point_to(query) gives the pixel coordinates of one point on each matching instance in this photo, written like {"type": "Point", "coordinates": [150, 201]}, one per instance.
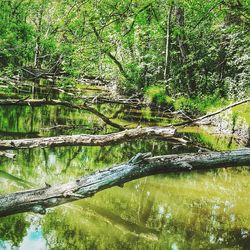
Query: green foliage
{"type": "Point", "coordinates": [126, 43]}
{"type": "Point", "coordinates": [13, 229]}
{"type": "Point", "coordinates": [199, 105]}
{"type": "Point", "coordinates": [67, 82]}
{"type": "Point", "coordinates": [156, 94]}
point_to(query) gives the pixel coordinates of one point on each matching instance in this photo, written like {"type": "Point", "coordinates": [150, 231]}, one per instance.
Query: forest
{"type": "Point", "coordinates": [124, 124]}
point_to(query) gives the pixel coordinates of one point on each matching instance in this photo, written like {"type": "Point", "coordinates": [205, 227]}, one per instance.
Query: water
{"type": "Point", "coordinates": [197, 210]}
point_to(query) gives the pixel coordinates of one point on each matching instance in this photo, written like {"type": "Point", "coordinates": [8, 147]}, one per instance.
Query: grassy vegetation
{"type": "Point", "coordinates": [243, 111]}
{"type": "Point", "coordinates": [155, 94]}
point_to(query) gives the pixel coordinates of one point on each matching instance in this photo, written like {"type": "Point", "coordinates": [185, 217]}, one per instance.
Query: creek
{"type": "Point", "coordinates": [197, 210]}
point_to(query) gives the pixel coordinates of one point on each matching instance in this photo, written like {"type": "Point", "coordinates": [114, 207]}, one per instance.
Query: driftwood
{"type": "Point", "coordinates": [38, 200]}
{"type": "Point", "coordinates": [41, 102]}
{"type": "Point", "coordinates": [168, 133]}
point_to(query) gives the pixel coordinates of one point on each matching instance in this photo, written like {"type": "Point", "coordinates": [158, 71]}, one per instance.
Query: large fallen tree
{"type": "Point", "coordinates": [167, 133]}
{"type": "Point", "coordinates": [38, 200]}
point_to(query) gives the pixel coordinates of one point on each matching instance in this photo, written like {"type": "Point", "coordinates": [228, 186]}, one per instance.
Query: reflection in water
{"type": "Point", "coordinates": [205, 210]}
{"type": "Point", "coordinates": [33, 240]}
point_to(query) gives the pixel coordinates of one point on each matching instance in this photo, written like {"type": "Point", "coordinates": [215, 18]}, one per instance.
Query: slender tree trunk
{"type": "Point", "coordinates": [37, 57]}
{"type": "Point", "coordinates": [184, 51]}
{"type": "Point", "coordinates": [145, 56]}
{"type": "Point", "coordinates": [167, 50]}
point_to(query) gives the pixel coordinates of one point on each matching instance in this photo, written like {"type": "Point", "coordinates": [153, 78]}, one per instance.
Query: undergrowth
{"type": "Point", "coordinates": [155, 94]}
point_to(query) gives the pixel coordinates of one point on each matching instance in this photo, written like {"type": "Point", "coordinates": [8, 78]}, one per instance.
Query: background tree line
{"type": "Point", "coordinates": [187, 47]}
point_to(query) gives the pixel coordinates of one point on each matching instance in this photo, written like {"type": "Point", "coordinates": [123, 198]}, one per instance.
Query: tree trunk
{"type": "Point", "coordinates": [167, 133]}
{"type": "Point", "coordinates": [141, 165]}
{"type": "Point", "coordinates": [167, 50]}
{"type": "Point", "coordinates": [109, 54]}
{"type": "Point", "coordinates": [145, 50]}
{"type": "Point", "coordinates": [184, 51]}
{"type": "Point", "coordinates": [37, 56]}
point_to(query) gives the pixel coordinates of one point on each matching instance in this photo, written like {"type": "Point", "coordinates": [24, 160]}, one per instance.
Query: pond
{"type": "Point", "coordinates": [197, 210]}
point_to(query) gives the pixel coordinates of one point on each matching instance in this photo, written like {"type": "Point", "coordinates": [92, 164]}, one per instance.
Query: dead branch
{"type": "Point", "coordinates": [199, 119]}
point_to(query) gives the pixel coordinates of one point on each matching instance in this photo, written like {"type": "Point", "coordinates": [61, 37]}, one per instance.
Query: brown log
{"type": "Point", "coordinates": [38, 200]}
{"type": "Point", "coordinates": [168, 133]}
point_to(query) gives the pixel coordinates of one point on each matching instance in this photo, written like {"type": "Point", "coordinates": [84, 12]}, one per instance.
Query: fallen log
{"type": "Point", "coordinates": [168, 133]}
{"type": "Point", "coordinates": [38, 200]}
{"type": "Point", "coordinates": [34, 73]}
{"type": "Point", "coordinates": [41, 102]}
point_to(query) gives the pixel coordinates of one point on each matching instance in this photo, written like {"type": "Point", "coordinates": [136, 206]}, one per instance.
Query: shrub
{"type": "Point", "coordinates": [199, 105]}
{"type": "Point", "coordinates": [156, 94]}
{"type": "Point", "coordinates": [66, 82]}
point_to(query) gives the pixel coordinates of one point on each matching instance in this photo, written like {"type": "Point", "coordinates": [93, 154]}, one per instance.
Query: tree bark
{"type": "Point", "coordinates": [41, 102]}
{"type": "Point", "coordinates": [184, 50]}
{"type": "Point", "coordinates": [168, 133]}
{"type": "Point", "coordinates": [37, 54]}
{"type": "Point", "coordinates": [167, 49]}
{"type": "Point", "coordinates": [38, 200]}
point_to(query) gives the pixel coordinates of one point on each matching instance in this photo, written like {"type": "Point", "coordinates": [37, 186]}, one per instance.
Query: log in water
{"type": "Point", "coordinates": [141, 165]}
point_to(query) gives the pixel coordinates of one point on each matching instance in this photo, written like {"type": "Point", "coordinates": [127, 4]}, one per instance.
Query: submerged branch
{"type": "Point", "coordinates": [38, 200]}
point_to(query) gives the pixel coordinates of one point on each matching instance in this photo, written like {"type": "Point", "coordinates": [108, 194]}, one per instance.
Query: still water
{"type": "Point", "coordinates": [197, 210]}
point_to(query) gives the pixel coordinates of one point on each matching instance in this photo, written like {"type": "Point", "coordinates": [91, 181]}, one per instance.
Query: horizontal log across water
{"type": "Point", "coordinates": [38, 200]}
{"type": "Point", "coordinates": [167, 133]}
